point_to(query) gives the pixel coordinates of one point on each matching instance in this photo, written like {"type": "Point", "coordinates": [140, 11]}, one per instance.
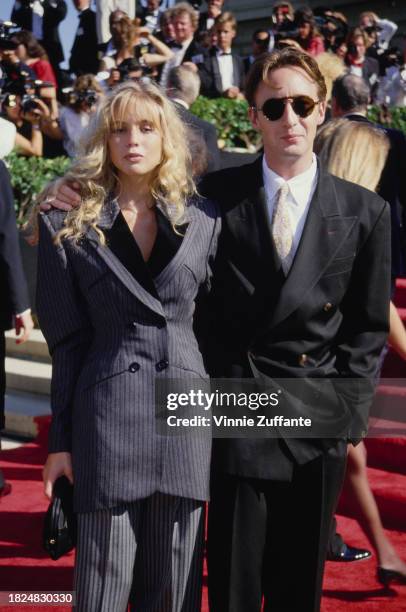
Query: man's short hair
{"type": "Point", "coordinates": [224, 18]}
{"type": "Point", "coordinates": [283, 58]}
{"type": "Point", "coordinates": [351, 93]}
{"type": "Point", "coordinates": [183, 8]}
{"type": "Point", "coordinates": [183, 83]}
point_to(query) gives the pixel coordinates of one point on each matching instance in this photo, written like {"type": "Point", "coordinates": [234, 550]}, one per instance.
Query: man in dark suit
{"type": "Point", "coordinates": [14, 303]}
{"type": "Point", "coordinates": [183, 89]}
{"type": "Point", "coordinates": [222, 72]}
{"type": "Point", "coordinates": [350, 99]}
{"type": "Point", "coordinates": [261, 43]}
{"type": "Point", "coordinates": [43, 19]}
{"type": "Point", "coordinates": [83, 56]}
{"type": "Point", "coordinates": [300, 295]}
{"type": "Point", "coordinates": [207, 18]}
{"type": "Point", "coordinates": [186, 49]}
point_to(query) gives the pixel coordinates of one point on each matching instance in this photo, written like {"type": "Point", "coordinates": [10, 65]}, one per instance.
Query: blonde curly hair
{"type": "Point", "coordinates": [171, 181]}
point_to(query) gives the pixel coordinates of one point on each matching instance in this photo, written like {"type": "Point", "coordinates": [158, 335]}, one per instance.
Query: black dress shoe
{"type": "Point", "coordinates": [386, 576]}
{"type": "Point", "coordinates": [349, 553]}
{"type": "Point", "coordinates": [5, 489]}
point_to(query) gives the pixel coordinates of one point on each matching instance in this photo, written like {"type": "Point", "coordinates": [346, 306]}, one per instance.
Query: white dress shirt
{"type": "Point", "coordinates": [301, 190]}
{"type": "Point", "coordinates": [174, 62]}
{"type": "Point", "coordinates": [37, 19]}
{"type": "Point", "coordinates": [225, 61]}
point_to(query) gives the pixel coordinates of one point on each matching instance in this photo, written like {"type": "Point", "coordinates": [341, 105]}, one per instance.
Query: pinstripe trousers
{"type": "Point", "coordinates": [149, 552]}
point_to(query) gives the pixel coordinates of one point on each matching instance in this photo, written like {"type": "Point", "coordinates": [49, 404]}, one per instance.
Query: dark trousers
{"type": "Point", "coordinates": [2, 376]}
{"type": "Point", "coordinates": [269, 539]}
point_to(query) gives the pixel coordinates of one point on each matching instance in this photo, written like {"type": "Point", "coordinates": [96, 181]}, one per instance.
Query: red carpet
{"type": "Point", "coordinates": [347, 587]}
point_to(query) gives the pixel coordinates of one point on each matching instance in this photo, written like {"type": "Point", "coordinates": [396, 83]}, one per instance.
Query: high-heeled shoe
{"type": "Point", "coordinates": [386, 576]}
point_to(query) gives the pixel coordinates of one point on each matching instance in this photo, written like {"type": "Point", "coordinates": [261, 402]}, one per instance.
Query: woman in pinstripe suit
{"type": "Point", "coordinates": [117, 280]}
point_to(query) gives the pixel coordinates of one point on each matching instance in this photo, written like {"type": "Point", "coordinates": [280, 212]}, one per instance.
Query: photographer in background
{"type": "Point", "coordinates": [379, 31]}
{"type": "Point", "coordinates": [308, 36]}
{"type": "Point", "coordinates": [25, 110]}
{"type": "Point", "coordinates": [392, 85]}
{"type": "Point", "coordinates": [74, 118]}
{"type": "Point", "coordinates": [133, 41]}
{"type": "Point", "coordinates": [42, 18]}
{"type": "Point", "coordinates": [359, 62]}
{"type": "Point", "coordinates": [30, 52]}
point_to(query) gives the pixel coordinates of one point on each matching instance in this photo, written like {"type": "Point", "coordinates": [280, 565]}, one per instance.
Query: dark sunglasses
{"type": "Point", "coordinates": [273, 108]}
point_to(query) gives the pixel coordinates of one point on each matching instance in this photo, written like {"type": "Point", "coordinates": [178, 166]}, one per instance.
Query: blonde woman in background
{"type": "Point", "coordinates": [357, 152]}
{"type": "Point", "coordinates": [117, 282]}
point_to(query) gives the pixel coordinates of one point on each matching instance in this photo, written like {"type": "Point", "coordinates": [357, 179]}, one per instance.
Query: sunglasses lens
{"type": "Point", "coordinates": [273, 108]}
{"type": "Point", "coordinates": [303, 106]}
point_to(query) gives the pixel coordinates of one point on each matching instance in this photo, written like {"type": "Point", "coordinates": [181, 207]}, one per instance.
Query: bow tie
{"type": "Point", "coordinates": [225, 52]}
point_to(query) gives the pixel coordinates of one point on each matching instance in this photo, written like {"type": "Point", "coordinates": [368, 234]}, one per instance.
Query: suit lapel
{"type": "Point", "coordinates": [236, 71]}
{"type": "Point", "coordinates": [248, 222]}
{"type": "Point", "coordinates": [324, 233]}
{"type": "Point", "coordinates": [109, 213]}
{"type": "Point", "coordinates": [218, 83]}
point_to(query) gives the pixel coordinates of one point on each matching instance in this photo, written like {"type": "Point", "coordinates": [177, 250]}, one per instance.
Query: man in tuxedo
{"type": "Point", "coordinates": [300, 294]}
{"type": "Point", "coordinates": [186, 49]}
{"type": "Point", "coordinates": [42, 18]}
{"type": "Point", "coordinates": [207, 18]}
{"type": "Point", "coordinates": [222, 72]}
{"type": "Point", "coordinates": [83, 55]}
{"type": "Point", "coordinates": [350, 99]}
{"type": "Point", "coordinates": [183, 89]}
{"type": "Point", "coordinates": [14, 303]}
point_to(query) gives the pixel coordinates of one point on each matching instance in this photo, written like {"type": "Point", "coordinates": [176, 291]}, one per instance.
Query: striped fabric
{"type": "Point", "coordinates": [110, 340]}
{"type": "Point", "coordinates": [150, 551]}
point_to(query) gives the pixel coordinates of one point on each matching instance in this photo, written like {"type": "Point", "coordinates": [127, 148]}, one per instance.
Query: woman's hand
{"type": "Point", "coordinates": [57, 464]}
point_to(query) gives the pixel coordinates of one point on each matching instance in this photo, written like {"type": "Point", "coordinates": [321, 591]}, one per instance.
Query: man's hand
{"type": "Point", "coordinates": [57, 464]}
{"type": "Point", "coordinates": [23, 324]}
{"type": "Point", "coordinates": [61, 195]}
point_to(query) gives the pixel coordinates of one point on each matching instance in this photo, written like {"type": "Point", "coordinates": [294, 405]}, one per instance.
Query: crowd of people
{"type": "Point", "coordinates": [162, 36]}
{"type": "Point", "coordinates": [276, 269]}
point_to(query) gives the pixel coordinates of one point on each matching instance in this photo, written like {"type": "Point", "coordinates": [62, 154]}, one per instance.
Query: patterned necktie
{"type": "Point", "coordinates": [281, 229]}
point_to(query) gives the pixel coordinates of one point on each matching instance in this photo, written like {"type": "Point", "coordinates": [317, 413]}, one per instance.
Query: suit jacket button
{"type": "Point", "coordinates": [303, 359]}
{"type": "Point", "coordinates": [161, 365]}
{"type": "Point", "coordinates": [328, 306]}
{"type": "Point", "coordinates": [134, 367]}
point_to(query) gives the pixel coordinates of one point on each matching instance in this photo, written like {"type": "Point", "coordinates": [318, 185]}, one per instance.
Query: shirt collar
{"type": "Point", "coordinates": [298, 185]}
{"type": "Point", "coordinates": [186, 43]}
{"type": "Point", "coordinates": [181, 102]}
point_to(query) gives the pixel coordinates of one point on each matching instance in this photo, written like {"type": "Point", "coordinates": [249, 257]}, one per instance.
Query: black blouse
{"type": "Point", "coordinates": [122, 243]}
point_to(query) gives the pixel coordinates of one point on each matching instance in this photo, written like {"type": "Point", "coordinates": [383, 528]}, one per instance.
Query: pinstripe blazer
{"type": "Point", "coordinates": [109, 340]}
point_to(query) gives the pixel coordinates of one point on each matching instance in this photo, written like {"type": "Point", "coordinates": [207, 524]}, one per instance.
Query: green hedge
{"type": "Point", "coordinates": [30, 174]}
{"type": "Point", "coordinates": [231, 120]}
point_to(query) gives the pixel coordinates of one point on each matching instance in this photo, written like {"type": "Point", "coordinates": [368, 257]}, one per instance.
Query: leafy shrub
{"type": "Point", "coordinates": [231, 120]}
{"type": "Point", "coordinates": [29, 175]}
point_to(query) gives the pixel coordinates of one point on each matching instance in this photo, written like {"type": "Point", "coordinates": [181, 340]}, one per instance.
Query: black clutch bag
{"type": "Point", "coordinates": [60, 525]}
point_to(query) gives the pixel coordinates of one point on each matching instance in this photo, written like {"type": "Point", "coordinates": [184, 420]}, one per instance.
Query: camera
{"type": "Point", "coordinates": [76, 97]}
{"type": "Point", "coordinates": [130, 68]}
{"type": "Point", "coordinates": [6, 42]}
{"type": "Point", "coordinates": [28, 103]}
